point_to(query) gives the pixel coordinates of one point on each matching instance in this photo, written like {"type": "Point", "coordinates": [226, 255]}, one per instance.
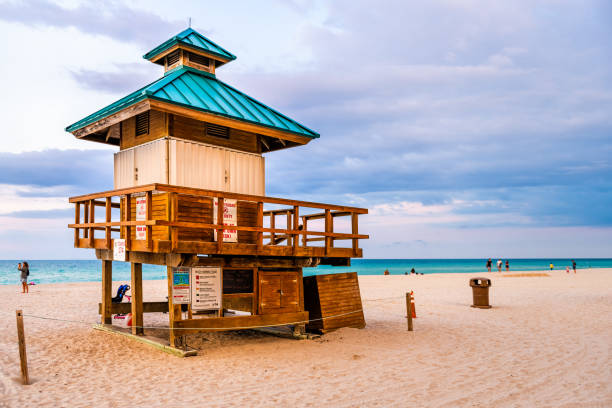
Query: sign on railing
{"type": "Point", "coordinates": [230, 218]}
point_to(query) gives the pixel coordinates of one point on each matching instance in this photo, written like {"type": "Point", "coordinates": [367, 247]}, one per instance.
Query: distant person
{"type": "Point", "coordinates": [489, 263]}
{"type": "Point", "coordinates": [574, 265]}
{"type": "Point", "coordinates": [499, 265]}
{"type": "Point", "coordinates": [507, 265]}
{"type": "Point", "coordinates": [552, 266]}
{"type": "Point", "coordinates": [405, 273]}
{"type": "Point", "coordinates": [567, 269]}
{"type": "Point", "coordinates": [412, 271]}
{"type": "Point", "coordinates": [386, 272]}
{"type": "Point", "coordinates": [24, 270]}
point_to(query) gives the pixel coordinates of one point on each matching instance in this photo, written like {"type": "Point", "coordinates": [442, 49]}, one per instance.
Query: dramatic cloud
{"type": "Point", "coordinates": [65, 171]}
{"type": "Point", "coordinates": [125, 79]}
{"type": "Point", "coordinates": [110, 18]}
{"type": "Point", "coordinates": [463, 126]}
{"type": "Point", "coordinates": [496, 104]}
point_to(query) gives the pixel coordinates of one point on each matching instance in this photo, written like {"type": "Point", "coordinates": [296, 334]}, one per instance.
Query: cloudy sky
{"type": "Point", "coordinates": [468, 128]}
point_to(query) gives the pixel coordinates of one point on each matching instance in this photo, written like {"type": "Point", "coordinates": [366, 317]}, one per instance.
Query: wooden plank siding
{"type": "Point", "coordinates": [157, 130]}
{"type": "Point", "coordinates": [195, 209]}
{"type": "Point", "coordinates": [192, 129]}
{"type": "Point", "coordinates": [162, 124]}
{"type": "Point", "coordinates": [333, 295]}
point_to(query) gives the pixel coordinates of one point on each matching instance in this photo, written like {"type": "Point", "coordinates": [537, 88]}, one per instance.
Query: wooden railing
{"type": "Point", "coordinates": [268, 239]}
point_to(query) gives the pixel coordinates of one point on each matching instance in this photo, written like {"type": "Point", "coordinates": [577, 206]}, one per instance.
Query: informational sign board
{"type": "Point", "coordinates": [230, 217]}
{"type": "Point", "coordinates": [206, 288]}
{"type": "Point", "coordinates": [181, 285]}
{"type": "Point", "coordinates": [119, 249]}
{"type": "Point", "coordinates": [141, 215]}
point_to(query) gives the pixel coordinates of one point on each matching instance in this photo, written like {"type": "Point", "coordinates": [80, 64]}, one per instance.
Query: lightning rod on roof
{"type": "Point", "coordinates": [189, 22]}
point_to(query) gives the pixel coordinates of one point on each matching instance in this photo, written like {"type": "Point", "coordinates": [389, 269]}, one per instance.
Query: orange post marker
{"type": "Point", "coordinates": [412, 305]}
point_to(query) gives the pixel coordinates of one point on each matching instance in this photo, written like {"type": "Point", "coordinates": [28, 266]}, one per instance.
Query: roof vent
{"type": "Point", "coordinates": [198, 59]}
{"type": "Point", "coordinates": [142, 123]}
{"type": "Point", "coordinates": [172, 58]}
{"type": "Point", "coordinates": [217, 131]}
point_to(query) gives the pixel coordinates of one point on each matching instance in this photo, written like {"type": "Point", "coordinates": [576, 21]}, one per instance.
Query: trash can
{"type": "Point", "coordinates": [480, 292]}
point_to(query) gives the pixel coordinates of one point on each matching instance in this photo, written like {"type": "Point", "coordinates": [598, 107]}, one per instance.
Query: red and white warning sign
{"type": "Point", "coordinates": [230, 217]}
{"type": "Point", "coordinates": [141, 215]}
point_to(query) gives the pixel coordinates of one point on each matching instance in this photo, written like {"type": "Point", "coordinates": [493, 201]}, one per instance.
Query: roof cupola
{"type": "Point", "coordinates": [192, 49]}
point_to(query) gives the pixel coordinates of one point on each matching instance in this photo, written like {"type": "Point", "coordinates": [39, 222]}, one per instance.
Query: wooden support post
{"type": "Point", "coordinates": [220, 221]}
{"type": "Point", "coordinates": [409, 310]}
{"type": "Point", "coordinates": [107, 294]}
{"type": "Point", "coordinates": [305, 228]}
{"type": "Point", "coordinates": [355, 230]}
{"type": "Point", "coordinates": [137, 311]}
{"type": "Point", "coordinates": [86, 218]}
{"type": "Point", "coordinates": [108, 219]}
{"type": "Point", "coordinates": [174, 311]}
{"type": "Point", "coordinates": [173, 216]}
{"type": "Point", "coordinates": [77, 220]}
{"type": "Point", "coordinates": [149, 217]}
{"type": "Point", "coordinates": [328, 228]}
{"type": "Point", "coordinates": [289, 236]}
{"type": "Point", "coordinates": [23, 358]}
{"type": "Point", "coordinates": [92, 218]}
{"type": "Point", "coordinates": [296, 227]}
{"type": "Point", "coordinates": [272, 226]}
{"type": "Point", "coordinates": [260, 225]}
{"type": "Point", "coordinates": [127, 215]}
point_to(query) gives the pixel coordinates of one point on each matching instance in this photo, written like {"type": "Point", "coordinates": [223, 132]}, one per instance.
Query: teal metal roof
{"type": "Point", "coordinates": [202, 91]}
{"type": "Point", "coordinates": [193, 39]}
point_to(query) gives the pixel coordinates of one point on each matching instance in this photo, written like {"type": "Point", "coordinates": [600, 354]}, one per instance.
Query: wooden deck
{"type": "Point", "coordinates": [179, 220]}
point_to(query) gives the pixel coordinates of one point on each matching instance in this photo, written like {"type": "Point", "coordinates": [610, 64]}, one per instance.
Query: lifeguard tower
{"type": "Point", "coordinates": [189, 193]}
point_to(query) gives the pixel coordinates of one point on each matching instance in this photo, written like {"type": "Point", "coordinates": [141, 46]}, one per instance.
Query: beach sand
{"type": "Point", "coordinates": [545, 343]}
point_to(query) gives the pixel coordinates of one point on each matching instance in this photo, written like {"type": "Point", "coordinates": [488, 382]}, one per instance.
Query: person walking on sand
{"type": "Point", "coordinates": [24, 268]}
{"type": "Point", "coordinates": [552, 266]}
{"type": "Point", "coordinates": [574, 265]}
{"type": "Point", "coordinates": [489, 262]}
{"type": "Point", "coordinates": [499, 265]}
{"type": "Point", "coordinates": [507, 265]}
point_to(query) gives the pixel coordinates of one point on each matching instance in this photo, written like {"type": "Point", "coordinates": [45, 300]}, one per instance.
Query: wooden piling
{"type": "Point", "coordinates": [25, 378]}
{"type": "Point", "coordinates": [409, 310]}
{"type": "Point", "coordinates": [137, 307]}
{"type": "Point", "coordinates": [174, 311]}
{"type": "Point", "coordinates": [107, 282]}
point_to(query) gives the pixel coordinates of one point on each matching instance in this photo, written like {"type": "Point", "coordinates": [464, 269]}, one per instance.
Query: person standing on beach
{"type": "Point", "coordinates": [507, 265]}
{"type": "Point", "coordinates": [552, 266]}
{"type": "Point", "coordinates": [499, 265]}
{"type": "Point", "coordinates": [25, 271]}
{"type": "Point", "coordinates": [574, 265]}
{"type": "Point", "coordinates": [489, 262]}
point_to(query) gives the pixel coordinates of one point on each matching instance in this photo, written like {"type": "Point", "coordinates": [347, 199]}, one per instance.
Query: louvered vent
{"type": "Point", "coordinates": [172, 58]}
{"type": "Point", "coordinates": [217, 131]}
{"type": "Point", "coordinates": [142, 123]}
{"type": "Point", "coordinates": [198, 59]}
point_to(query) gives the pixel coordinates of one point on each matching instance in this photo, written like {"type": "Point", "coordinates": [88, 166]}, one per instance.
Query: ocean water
{"type": "Point", "coordinates": [52, 271]}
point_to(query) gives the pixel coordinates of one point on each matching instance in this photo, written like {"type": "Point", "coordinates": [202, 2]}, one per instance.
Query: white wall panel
{"type": "Point", "coordinates": [190, 164]}
{"type": "Point", "coordinates": [246, 173]}
{"type": "Point", "coordinates": [196, 165]}
{"type": "Point", "coordinates": [124, 169]}
{"type": "Point", "coordinates": [150, 162]}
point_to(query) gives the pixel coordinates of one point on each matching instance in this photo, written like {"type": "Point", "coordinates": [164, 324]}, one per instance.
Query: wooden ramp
{"type": "Point", "coordinates": [333, 301]}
